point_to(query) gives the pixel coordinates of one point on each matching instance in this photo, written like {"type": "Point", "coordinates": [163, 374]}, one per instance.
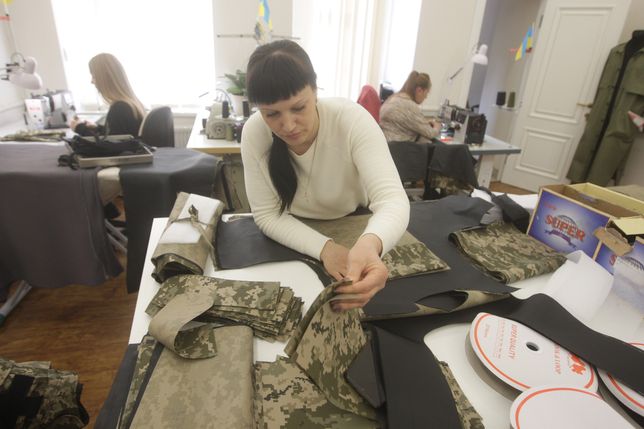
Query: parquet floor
{"type": "Point", "coordinates": [84, 329]}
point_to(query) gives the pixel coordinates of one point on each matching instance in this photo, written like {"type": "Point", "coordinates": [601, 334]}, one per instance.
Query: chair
{"type": "Point", "coordinates": [412, 161]}
{"type": "Point", "coordinates": [157, 128]}
{"type": "Point", "coordinates": [369, 100]}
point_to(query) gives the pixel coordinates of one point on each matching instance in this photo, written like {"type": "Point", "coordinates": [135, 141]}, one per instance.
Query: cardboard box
{"type": "Point", "coordinates": [567, 216]}
{"type": "Point", "coordinates": [621, 237]}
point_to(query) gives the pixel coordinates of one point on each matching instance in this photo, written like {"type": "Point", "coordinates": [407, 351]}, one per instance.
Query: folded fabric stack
{"type": "Point", "coordinates": [189, 237]}
{"type": "Point", "coordinates": [272, 311]}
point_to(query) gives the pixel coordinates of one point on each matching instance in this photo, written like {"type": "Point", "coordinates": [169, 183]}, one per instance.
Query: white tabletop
{"type": "Point", "coordinates": [199, 141]}
{"type": "Point", "coordinates": [491, 398]}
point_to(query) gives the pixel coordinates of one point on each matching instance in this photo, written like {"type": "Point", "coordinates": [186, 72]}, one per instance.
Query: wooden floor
{"type": "Point", "coordinates": [84, 329]}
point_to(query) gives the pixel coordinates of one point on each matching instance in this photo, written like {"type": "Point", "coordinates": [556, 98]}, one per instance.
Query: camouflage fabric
{"type": "Point", "coordinates": [470, 419]}
{"type": "Point", "coordinates": [171, 259]}
{"type": "Point", "coordinates": [287, 398]}
{"type": "Point", "coordinates": [448, 185]}
{"type": "Point", "coordinates": [144, 354]}
{"type": "Point", "coordinates": [166, 326]}
{"type": "Point", "coordinates": [505, 253]}
{"type": "Point", "coordinates": [35, 136]}
{"type": "Point", "coordinates": [272, 311]}
{"type": "Point", "coordinates": [411, 259]}
{"type": "Point", "coordinates": [207, 393]}
{"type": "Point", "coordinates": [408, 257]}
{"type": "Point", "coordinates": [328, 344]}
{"type": "Point", "coordinates": [52, 397]}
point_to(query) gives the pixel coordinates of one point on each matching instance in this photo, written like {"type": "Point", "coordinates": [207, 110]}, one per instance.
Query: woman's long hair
{"type": "Point", "coordinates": [112, 82]}
{"type": "Point", "coordinates": [277, 71]}
{"type": "Point", "coordinates": [416, 80]}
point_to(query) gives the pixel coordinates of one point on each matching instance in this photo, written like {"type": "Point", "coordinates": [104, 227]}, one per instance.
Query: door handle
{"type": "Point", "coordinates": [588, 105]}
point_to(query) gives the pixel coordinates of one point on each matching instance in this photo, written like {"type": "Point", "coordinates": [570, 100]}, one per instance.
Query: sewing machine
{"type": "Point", "coordinates": [54, 109]}
{"type": "Point", "coordinates": [469, 127]}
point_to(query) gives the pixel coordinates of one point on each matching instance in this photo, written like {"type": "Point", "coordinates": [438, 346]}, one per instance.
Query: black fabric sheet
{"type": "Point", "coordinates": [52, 230]}
{"type": "Point", "coordinates": [455, 161]}
{"type": "Point", "coordinates": [431, 222]}
{"type": "Point", "coordinates": [150, 190]}
{"type": "Point", "coordinates": [110, 413]}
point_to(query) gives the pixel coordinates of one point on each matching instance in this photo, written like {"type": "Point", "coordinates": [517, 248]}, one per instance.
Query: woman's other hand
{"type": "Point", "coordinates": [366, 270]}
{"type": "Point", "coordinates": [334, 257]}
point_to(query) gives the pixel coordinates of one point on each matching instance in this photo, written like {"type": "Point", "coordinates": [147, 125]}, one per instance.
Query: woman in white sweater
{"type": "Point", "coordinates": [319, 159]}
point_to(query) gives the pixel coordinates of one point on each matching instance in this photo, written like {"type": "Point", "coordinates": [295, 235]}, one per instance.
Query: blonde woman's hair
{"type": "Point", "coordinates": [416, 80]}
{"type": "Point", "coordinates": [111, 81]}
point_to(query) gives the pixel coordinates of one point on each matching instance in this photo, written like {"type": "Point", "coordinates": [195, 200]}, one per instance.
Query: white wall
{"type": "Point", "coordinates": [238, 17]}
{"type": "Point", "coordinates": [633, 172]}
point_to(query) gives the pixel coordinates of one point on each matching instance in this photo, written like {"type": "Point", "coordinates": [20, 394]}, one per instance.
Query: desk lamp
{"type": "Point", "coordinates": [479, 57]}
{"type": "Point", "coordinates": [22, 72]}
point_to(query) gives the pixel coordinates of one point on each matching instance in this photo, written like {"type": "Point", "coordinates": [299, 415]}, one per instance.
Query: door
{"type": "Point", "coordinates": [570, 50]}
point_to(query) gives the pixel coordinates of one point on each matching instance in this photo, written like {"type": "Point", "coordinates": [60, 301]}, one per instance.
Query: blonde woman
{"type": "Point", "coordinates": [126, 110]}
{"type": "Point", "coordinates": [400, 116]}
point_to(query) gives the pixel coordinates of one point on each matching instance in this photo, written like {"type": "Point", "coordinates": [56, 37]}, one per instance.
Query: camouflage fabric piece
{"type": "Point", "coordinates": [470, 419]}
{"type": "Point", "coordinates": [328, 344]}
{"type": "Point", "coordinates": [411, 259]}
{"type": "Point", "coordinates": [166, 326]}
{"type": "Point", "coordinates": [187, 258]}
{"type": "Point", "coordinates": [407, 258]}
{"type": "Point", "coordinates": [144, 354]}
{"type": "Point", "coordinates": [60, 392]}
{"type": "Point", "coordinates": [35, 136]}
{"type": "Point", "coordinates": [449, 185]}
{"type": "Point", "coordinates": [272, 311]}
{"type": "Point", "coordinates": [287, 398]}
{"type": "Point", "coordinates": [505, 253]}
{"type": "Point", "coordinates": [205, 393]}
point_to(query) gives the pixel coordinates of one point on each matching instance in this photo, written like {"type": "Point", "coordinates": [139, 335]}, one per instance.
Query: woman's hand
{"type": "Point", "coordinates": [366, 270]}
{"type": "Point", "coordinates": [334, 257]}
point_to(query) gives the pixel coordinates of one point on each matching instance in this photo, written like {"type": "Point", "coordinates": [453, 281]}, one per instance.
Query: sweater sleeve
{"type": "Point", "coordinates": [122, 120]}
{"type": "Point", "coordinates": [387, 198]}
{"type": "Point", "coordinates": [417, 122]}
{"type": "Point", "coordinates": [263, 198]}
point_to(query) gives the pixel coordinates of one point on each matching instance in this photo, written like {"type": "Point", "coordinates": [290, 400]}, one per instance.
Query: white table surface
{"type": "Point", "coordinates": [491, 398]}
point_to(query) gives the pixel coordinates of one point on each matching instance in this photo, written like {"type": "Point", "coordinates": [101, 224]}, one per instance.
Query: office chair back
{"type": "Point", "coordinates": [369, 100]}
{"type": "Point", "coordinates": [157, 128]}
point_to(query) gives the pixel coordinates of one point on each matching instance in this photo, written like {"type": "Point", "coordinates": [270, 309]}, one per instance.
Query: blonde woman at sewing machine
{"type": "Point", "coordinates": [400, 116]}
{"type": "Point", "coordinates": [126, 110]}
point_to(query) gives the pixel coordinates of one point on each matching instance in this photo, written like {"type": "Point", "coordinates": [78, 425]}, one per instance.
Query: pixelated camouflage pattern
{"type": "Point", "coordinates": [470, 419]}
{"type": "Point", "coordinates": [34, 136]}
{"type": "Point", "coordinates": [326, 348]}
{"type": "Point", "coordinates": [289, 399]}
{"type": "Point", "coordinates": [59, 389]}
{"type": "Point", "coordinates": [166, 326]}
{"type": "Point", "coordinates": [449, 185]}
{"type": "Point", "coordinates": [505, 253]}
{"type": "Point", "coordinates": [143, 357]}
{"type": "Point", "coordinates": [206, 393]}
{"type": "Point", "coordinates": [412, 259]}
{"type": "Point", "coordinates": [187, 258]}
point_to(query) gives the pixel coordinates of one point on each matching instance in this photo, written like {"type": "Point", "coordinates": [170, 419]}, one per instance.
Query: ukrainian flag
{"type": "Point", "coordinates": [264, 25]}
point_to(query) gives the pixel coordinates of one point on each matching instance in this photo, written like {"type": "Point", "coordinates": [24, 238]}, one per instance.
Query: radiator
{"type": "Point", "coordinates": [181, 135]}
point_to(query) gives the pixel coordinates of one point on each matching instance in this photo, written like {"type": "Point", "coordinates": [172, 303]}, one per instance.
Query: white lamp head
{"type": "Point", "coordinates": [23, 73]}
{"type": "Point", "coordinates": [480, 57]}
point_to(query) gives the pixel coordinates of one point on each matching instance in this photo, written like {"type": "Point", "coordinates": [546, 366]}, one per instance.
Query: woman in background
{"type": "Point", "coordinates": [126, 110]}
{"type": "Point", "coordinates": [400, 116]}
{"type": "Point", "coordinates": [319, 159]}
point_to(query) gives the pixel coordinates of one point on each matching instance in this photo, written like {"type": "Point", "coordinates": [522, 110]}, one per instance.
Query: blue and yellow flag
{"type": "Point", "coordinates": [264, 25]}
{"type": "Point", "coordinates": [526, 44]}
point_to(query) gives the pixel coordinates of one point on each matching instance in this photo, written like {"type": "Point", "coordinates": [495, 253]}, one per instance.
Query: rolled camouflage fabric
{"type": "Point", "coordinates": [408, 257]}
{"type": "Point", "coordinates": [204, 393]}
{"type": "Point", "coordinates": [35, 136]}
{"type": "Point", "coordinates": [505, 253]}
{"type": "Point", "coordinates": [328, 344]}
{"type": "Point", "coordinates": [445, 185]}
{"type": "Point", "coordinates": [470, 419]}
{"type": "Point", "coordinates": [287, 398]}
{"type": "Point", "coordinates": [188, 238]}
{"type": "Point", "coordinates": [144, 354]}
{"type": "Point", "coordinates": [166, 326]}
{"type": "Point", "coordinates": [40, 396]}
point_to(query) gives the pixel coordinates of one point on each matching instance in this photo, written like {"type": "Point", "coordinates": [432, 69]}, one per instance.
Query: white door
{"type": "Point", "coordinates": [569, 53]}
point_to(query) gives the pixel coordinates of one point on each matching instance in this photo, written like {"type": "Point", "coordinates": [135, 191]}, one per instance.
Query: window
{"type": "Point", "coordinates": [165, 46]}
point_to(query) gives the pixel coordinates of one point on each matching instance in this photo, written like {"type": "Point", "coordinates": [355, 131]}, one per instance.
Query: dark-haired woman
{"type": "Point", "coordinates": [321, 159]}
{"type": "Point", "coordinates": [400, 116]}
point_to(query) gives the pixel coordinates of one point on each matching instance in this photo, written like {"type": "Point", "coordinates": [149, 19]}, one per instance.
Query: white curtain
{"type": "Point", "coordinates": [165, 46]}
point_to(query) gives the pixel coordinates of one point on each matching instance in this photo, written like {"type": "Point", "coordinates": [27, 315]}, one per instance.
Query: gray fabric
{"type": "Point", "coordinates": [52, 229]}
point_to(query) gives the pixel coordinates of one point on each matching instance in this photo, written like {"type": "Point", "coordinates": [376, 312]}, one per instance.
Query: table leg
{"type": "Point", "coordinates": [11, 303]}
{"type": "Point", "coordinates": [485, 165]}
